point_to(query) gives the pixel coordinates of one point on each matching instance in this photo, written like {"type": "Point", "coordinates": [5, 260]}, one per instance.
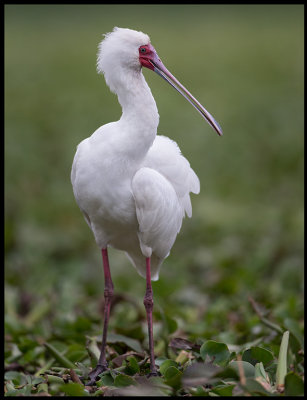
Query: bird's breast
{"type": "Point", "coordinates": [102, 186]}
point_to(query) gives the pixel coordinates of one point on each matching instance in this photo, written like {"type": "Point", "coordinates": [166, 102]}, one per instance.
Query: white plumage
{"type": "Point", "coordinates": [133, 186]}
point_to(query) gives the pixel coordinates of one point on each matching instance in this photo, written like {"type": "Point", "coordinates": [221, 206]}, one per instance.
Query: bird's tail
{"type": "Point", "coordinates": [139, 262]}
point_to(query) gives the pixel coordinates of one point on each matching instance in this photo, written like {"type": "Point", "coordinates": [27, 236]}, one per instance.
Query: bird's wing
{"type": "Point", "coordinates": [158, 212]}
{"type": "Point", "coordinates": [165, 157]}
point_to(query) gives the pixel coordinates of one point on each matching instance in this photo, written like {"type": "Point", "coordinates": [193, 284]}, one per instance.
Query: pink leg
{"type": "Point", "coordinates": [148, 303]}
{"type": "Point", "coordinates": [108, 294]}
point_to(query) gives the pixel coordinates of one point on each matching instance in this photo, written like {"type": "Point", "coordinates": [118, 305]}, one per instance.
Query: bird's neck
{"type": "Point", "coordinates": [140, 118]}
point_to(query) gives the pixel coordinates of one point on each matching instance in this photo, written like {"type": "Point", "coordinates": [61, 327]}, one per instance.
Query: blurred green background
{"type": "Point", "coordinates": [244, 63]}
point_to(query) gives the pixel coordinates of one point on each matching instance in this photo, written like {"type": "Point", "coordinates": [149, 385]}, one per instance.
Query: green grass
{"type": "Point", "coordinates": [235, 273]}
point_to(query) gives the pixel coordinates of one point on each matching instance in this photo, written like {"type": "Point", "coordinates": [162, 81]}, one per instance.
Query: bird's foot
{"type": "Point", "coordinates": [94, 374]}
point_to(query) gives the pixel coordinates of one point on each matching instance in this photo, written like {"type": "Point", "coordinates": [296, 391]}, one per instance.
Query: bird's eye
{"type": "Point", "coordinates": [143, 50]}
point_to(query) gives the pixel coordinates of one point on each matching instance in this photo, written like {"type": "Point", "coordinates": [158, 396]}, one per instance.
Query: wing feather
{"type": "Point", "coordinates": [158, 212]}
{"type": "Point", "coordinates": [165, 157]}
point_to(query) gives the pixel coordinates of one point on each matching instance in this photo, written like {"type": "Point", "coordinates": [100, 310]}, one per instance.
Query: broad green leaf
{"type": "Point", "coordinates": [218, 352]}
{"type": "Point", "coordinates": [74, 389]}
{"type": "Point", "coordinates": [256, 355]}
{"type": "Point", "coordinates": [37, 380]}
{"type": "Point", "coordinates": [166, 364]}
{"type": "Point", "coordinates": [123, 380]}
{"type": "Point", "coordinates": [223, 390]}
{"type": "Point", "coordinates": [172, 377]}
{"type": "Point", "coordinates": [18, 378]}
{"type": "Point", "coordinates": [132, 343]}
{"type": "Point", "coordinates": [106, 380]}
{"type": "Point", "coordinates": [200, 391]}
{"type": "Point", "coordinates": [248, 369]}
{"type": "Point", "coordinates": [132, 366]}
{"type": "Point", "coordinates": [160, 360]}
{"type": "Point", "coordinates": [54, 379]}
{"type": "Point", "coordinates": [294, 385]}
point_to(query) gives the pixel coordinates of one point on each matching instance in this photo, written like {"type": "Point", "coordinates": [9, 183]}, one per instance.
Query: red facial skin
{"type": "Point", "coordinates": [147, 53]}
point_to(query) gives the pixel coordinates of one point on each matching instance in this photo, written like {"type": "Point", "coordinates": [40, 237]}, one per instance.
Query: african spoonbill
{"type": "Point", "coordinates": [133, 186]}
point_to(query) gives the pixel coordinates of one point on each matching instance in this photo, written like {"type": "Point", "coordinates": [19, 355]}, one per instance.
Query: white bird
{"type": "Point", "coordinates": [133, 186]}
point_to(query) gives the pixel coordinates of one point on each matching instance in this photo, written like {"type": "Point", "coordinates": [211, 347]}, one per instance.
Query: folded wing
{"type": "Point", "coordinates": [158, 212]}
{"type": "Point", "coordinates": [165, 157]}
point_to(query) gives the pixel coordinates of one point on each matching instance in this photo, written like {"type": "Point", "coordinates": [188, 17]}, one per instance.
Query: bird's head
{"type": "Point", "coordinates": [123, 53]}
{"type": "Point", "coordinates": [120, 48]}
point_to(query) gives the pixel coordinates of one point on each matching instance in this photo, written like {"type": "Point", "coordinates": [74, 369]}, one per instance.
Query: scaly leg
{"type": "Point", "coordinates": [108, 294]}
{"type": "Point", "coordinates": [148, 303]}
